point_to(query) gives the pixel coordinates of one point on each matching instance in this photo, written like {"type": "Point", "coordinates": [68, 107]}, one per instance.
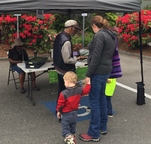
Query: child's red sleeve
{"type": "Point", "coordinates": [60, 103]}
{"type": "Point", "coordinates": [86, 89]}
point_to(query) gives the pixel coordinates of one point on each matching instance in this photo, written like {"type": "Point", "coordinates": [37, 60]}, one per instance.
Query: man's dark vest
{"type": "Point", "coordinates": [57, 56]}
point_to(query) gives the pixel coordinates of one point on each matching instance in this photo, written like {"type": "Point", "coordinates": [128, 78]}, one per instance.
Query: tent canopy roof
{"type": "Point", "coordinates": [68, 6]}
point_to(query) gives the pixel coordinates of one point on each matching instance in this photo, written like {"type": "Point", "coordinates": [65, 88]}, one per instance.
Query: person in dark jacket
{"type": "Point", "coordinates": [68, 103]}
{"type": "Point", "coordinates": [101, 50]}
{"type": "Point", "coordinates": [63, 52]}
{"type": "Point", "coordinates": [18, 55]}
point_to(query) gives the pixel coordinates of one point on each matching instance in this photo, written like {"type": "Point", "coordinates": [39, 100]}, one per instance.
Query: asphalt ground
{"type": "Point", "coordinates": [23, 123]}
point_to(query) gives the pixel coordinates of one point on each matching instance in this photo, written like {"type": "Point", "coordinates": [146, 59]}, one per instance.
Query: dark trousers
{"type": "Point", "coordinates": [109, 105]}
{"type": "Point", "coordinates": [61, 85]}
{"type": "Point", "coordinates": [69, 122]}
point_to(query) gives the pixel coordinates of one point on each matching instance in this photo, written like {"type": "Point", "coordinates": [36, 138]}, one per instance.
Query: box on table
{"type": "Point", "coordinates": [36, 62]}
{"type": "Point", "coordinates": [53, 76]}
{"type": "Point", "coordinates": [80, 71]}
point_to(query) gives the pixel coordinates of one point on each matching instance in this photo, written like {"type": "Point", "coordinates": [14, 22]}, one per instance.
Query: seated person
{"type": "Point", "coordinates": [17, 55]}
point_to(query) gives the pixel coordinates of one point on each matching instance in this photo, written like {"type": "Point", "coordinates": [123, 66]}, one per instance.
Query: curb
{"type": "Point", "coordinates": [120, 51]}
{"type": "Point", "coordinates": [134, 54]}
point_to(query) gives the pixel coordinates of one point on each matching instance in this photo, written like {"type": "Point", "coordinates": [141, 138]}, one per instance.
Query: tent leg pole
{"type": "Point", "coordinates": [140, 93]}
{"type": "Point", "coordinates": [140, 85]}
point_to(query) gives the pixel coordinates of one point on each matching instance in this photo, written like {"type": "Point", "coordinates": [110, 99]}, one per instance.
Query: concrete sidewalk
{"type": "Point", "coordinates": [22, 123]}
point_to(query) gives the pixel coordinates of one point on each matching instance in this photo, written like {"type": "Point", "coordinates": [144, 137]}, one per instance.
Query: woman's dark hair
{"type": "Point", "coordinates": [100, 22]}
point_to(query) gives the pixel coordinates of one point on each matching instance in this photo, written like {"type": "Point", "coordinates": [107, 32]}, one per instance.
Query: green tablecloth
{"type": "Point", "coordinates": [80, 71]}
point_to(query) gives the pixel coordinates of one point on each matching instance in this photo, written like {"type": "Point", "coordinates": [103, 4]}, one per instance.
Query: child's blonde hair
{"type": "Point", "coordinates": [70, 76]}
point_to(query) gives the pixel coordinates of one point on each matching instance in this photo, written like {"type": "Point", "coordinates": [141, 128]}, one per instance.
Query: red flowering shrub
{"type": "Point", "coordinates": [34, 32]}
{"type": "Point", "coordinates": [128, 27]}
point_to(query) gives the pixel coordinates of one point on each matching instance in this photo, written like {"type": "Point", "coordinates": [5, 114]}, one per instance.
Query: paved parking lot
{"type": "Point", "coordinates": [22, 123]}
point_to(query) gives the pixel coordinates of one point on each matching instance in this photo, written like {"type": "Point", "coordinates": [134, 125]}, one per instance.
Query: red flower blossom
{"type": "Point", "coordinates": [14, 35]}
{"type": "Point", "coordinates": [31, 18]}
{"type": "Point", "coordinates": [23, 16]}
{"type": "Point", "coordinates": [22, 35]}
{"type": "Point", "coordinates": [129, 24]}
{"type": "Point", "coordinates": [35, 36]}
{"type": "Point", "coordinates": [32, 30]}
{"type": "Point", "coordinates": [40, 36]}
{"type": "Point", "coordinates": [31, 43]}
{"type": "Point", "coordinates": [28, 34]}
{"type": "Point", "coordinates": [41, 27]}
{"type": "Point", "coordinates": [125, 21]}
{"type": "Point", "coordinates": [25, 31]}
{"type": "Point", "coordinates": [1, 20]}
{"type": "Point", "coordinates": [12, 26]}
{"type": "Point", "coordinates": [34, 40]}
{"type": "Point", "coordinates": [40, 22]}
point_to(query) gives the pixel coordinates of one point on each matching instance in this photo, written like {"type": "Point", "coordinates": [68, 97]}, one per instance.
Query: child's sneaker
{"type": "Point", "coordinates": [88, 109]}
{"type": "Point", "coordinates": [69, 139]}
{"type": "Point", "coordinates": [110, 115]}
{"type": "Point", "coordinates": [103, 132]}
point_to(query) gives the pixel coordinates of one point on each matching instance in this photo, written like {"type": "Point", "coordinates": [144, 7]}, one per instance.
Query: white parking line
{"type": "Point", "coordinates": [131, 89]}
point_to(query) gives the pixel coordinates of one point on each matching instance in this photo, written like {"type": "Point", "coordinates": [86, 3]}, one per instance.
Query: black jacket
{"type": "Point", "coordinates": [101, 50]}
{"type": "Point", "coordinates": [17, 55]}
{"type": "Point", "coordinates": [57, 56]}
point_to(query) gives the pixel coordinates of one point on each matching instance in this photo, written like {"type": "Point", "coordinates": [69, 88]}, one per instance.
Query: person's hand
{"type": "Point", "coordinates": [78, 58]}
{"type": "Point", "coordinates": [87, 80]}
{"type": "Point", "coordinates": [81, 57]}
{"type": "Point", "coordinates": [59, 115]}
{"type": "Point", "coordinates": [108, 81]}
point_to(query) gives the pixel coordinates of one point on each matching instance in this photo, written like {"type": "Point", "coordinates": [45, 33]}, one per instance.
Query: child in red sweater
{"type": "Point", "coordinates": [68, 103]}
